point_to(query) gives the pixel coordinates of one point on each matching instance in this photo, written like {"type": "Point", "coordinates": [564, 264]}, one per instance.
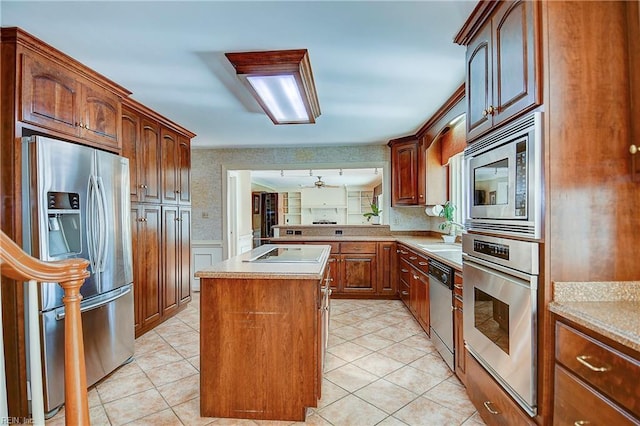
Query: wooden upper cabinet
{"type": "Point", "coordinates": [479, 83]}
{"type": "Point", "coordinates": [49, 95]}
{"type": "Point", "coordinates": [407, 173]}
{"type": "Point", "coordinates": [502, 67]}
{"type": "Point", "coordinates": [130, 137]}
{"type": "Point", "coordinates": [170, 166]}
{"type": "Point", "coordinates": [100, 115]}
{"type": "Point", "coordinates": [633, 40]}
{"type": "Point", "coordinates": [58, 99]}
{"type": "Point", "coordinates": [184, 174]}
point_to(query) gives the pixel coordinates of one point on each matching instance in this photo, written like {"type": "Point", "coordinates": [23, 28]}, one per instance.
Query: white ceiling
{"type": "Point", "coordinates": [381, 68]}
{"type": "Point", "coordinates": [291, 180]}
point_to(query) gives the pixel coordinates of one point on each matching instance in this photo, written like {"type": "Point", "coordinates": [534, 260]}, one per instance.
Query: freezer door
{"type": "Point", "coordinates": [115, 253]}
{"type": "Point", "coordinates": [56, 175]}
{"type": "Point", "coordinates": [107, 325]}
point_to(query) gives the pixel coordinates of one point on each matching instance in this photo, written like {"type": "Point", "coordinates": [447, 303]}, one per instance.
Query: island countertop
{"type": "Point", "coordinates": [241, 266]}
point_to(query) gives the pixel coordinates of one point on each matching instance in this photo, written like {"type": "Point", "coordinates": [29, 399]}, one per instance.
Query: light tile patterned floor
{"type": "Point", "coordinates": [381, 369]}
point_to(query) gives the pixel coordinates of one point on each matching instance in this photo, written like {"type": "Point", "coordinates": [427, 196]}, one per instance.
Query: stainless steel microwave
{"type": "Point", "coordinates": [504, 176]}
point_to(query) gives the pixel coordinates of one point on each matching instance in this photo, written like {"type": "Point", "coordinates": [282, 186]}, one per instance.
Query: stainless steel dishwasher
{"type": "Point", "coordinates": [441, 309]}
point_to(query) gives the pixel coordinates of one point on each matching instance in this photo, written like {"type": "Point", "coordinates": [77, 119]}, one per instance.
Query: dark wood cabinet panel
{"type": "Point", "coordinates": [130, 144]}
{"type": "Point", "coordinates": [101, 116]}
{"type": "Point", "coordinates": [479, 82]}
{"type": "Point", "coordinates": [50, 95]}
{"type": "Point", "coordinates": [147, 263]}
{"type": "Point", "coordinates": [576, 404]}
{"type": "Point", "coordinates": [493, 404]}
{"type": "Point", "coordinates": [184, 258]}
{"type": "Point", "coordinates": [502, 67]}
{"type": "Point", "coordinates": [150, 161]}
{"type": "Point", "coordinates": [170, 166]}
{"type": "Point", "coordinates": [387, 273]}
{"type": "Point", "coordinates": [603, 367]}
{"type": "Point", "coordinates": [459, 351]}
{"type": "Point", "coordinates": [358, 272]}
{"type": "Point", "coordinates": [407, 172]}
{"type": "Point", "coordinates": [58, 99]}
{"type": "Point", "coordinates": [184, 170]}
{"type": "Point", "coordinates": [171, 259]}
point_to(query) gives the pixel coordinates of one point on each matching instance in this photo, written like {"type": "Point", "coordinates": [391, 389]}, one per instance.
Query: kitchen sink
{"type": "Point", "coordinates": [440, 247]}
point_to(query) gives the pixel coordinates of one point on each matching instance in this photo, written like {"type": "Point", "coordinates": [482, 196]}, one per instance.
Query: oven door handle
{"type": "Point", "coordinates": [526, 280]}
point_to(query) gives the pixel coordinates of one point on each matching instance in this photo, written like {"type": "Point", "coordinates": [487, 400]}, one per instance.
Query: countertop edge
{"type": "Point", "coordinates": [575, 314]}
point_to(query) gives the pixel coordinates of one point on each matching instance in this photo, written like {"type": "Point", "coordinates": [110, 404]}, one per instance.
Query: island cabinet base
{"type": "Point", "coordinates": [259, 348]}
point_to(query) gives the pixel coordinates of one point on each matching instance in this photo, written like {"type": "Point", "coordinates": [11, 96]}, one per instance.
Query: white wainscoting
{"type": "Point", "coordinates": [204, 253]}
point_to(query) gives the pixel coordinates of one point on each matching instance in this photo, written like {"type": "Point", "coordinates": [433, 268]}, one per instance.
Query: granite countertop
{"type": "Point", "coordinates": [607, 308]}
{"type": "Point", "coordinates": [451, 258]}
{"type": "Point", "coordinates": [239, 267]}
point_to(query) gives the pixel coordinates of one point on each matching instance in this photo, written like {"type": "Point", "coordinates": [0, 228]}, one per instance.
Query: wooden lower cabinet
{"type": "Point", "coordinates": [161, 237]}
{"type": "Point", "coordinates": [146, 224]}
{"type": "Point", "coordinates": [459, 350]}
{"type": "Point", "coordinates": [259, 348]}
{"type": "Point", "coordinates": [494, 405]}
{"type": "Point", "coordinates": [593, 381]}
{"type": "Point", "coordinates": [419, 298]}
{"type": "Point", "coordinates": [361, 268]}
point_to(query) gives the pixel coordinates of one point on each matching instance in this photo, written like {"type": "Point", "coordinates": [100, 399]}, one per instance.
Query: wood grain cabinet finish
{"type": "Point", "coordinates": [502, 67]}
{"type": "Point", "coordinates": [170, 167]}
{"type": "Point", "coordinates": [387, 264]}
{"type": "Point", "coordinates": [58, 99]}
{"type": "Point", "coordinates": [459, 350]}
{"type": "Point", "coordinates": [146, 221]}
{"type": "Point", "coordinates": [176, 255]}
{"type": "Point", "coordinates": [259, 348]}
{"type": "Point", "coordinates": [576, 404]}
{"type": "Point", "coordinates": [141, 145]}
{"type": "Point", "coordinates": [604, 369]}
{"type": "Point", "coordinates": [184, 170]}
{"type": "Point", "coordinates": [407, 172]}
{"type": "Point", "coordinates": [494, 405]}
{"type": "Point", "coordinates": [413, 269]}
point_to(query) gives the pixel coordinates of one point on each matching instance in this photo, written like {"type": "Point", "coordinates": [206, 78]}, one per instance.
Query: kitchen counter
{"type": "Point", "coordinates": [608, 308]}
{"type": "Point", "coordinates": [240, 266]}
{"type": "Point", "coordinates": [451, 258]}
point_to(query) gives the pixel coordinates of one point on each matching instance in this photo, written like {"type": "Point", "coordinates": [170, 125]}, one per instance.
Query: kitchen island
{"type": "Point", "coordinates": [263, 329]}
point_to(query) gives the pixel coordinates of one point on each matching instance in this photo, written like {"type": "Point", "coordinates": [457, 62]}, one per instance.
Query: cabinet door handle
{"type": "Point", "coordinates": [633, 149]}
{"type": "Point", "coordinates": [458, 286]}
{"type": "Point", "coordinates": [487, 405]}
{"type": "Point", "coordinates": [416, 277]}
{"type": "Point", "coordinates": [413, 258]}
{"type": "Point", "coordinates": [582, 359]}
{"type": "Point", "coordinates": [405, 293]}
{"type": "Point", "coordinates": [404, 270]}
{"type": "Point", "coordinates": [404, 252]}
{"type": "Point", "coordinates": [581, 422]}
{"type": "Point", "coordinates": [423, 263]}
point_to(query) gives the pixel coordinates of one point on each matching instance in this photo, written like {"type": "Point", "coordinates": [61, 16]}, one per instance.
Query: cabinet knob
{"type": "Point", "coordinates": [421, 196]}
{"type": "Point", "coordinates": [405, 293]}
{"type": "Point", "coordinates": [633, 149]}
{"type": "Point", "coordinates": [177, 191]}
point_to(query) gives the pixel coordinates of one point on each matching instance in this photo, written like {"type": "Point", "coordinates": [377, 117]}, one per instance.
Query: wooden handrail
{"type": "Point", "coordinates": [70, 274]}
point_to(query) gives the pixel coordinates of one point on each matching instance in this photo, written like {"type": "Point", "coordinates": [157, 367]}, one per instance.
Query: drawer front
{"type": "Point", "coordinates": [576, 404]}
{"type": "Point", "coordinates": [493, 404]}
{"type": "Point", "coordinates": [599, 365]}
{"type": "Point", "coordinates": [358, 247]}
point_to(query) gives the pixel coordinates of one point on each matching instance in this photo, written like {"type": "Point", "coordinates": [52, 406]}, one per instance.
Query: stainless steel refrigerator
{"type": "Point", "coordinates": [76, 204]}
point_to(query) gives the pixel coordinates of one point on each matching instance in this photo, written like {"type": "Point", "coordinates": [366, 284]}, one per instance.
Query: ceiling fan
{"type": "Point", "coordinates": [319, 184]}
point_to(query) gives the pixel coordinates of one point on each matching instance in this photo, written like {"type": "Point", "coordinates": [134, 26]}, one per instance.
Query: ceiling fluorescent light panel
{"type": "Point", "coordinates": [282, 83]}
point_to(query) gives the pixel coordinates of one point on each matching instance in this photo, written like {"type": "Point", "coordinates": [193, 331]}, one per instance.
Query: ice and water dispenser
{"type": "Point", "coordinates": [63, 214]}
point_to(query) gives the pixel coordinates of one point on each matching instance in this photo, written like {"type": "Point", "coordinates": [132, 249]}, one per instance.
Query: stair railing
{"type": "Point", "coordinates": [70, 274]}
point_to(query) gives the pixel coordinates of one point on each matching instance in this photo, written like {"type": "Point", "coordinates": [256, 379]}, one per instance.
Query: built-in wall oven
{"type": "Point", "coordinates": [500, 305]}
{"type": "Point", "coordinates": [504, 176]}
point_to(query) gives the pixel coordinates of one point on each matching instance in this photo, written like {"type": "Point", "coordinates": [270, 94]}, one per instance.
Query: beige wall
{"type": "Point", "coordinates": [209, 166]}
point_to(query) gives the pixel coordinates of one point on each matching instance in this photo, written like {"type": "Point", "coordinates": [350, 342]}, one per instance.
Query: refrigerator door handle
{"type": "Point", "coordinates": [101, 219]}
{"type": "Point", "coordinates": [60, 312]}
{"type": "Point", "coordinates": [91, 231]}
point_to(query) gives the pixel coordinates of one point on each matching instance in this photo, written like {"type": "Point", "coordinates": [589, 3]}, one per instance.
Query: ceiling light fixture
{"type": "Point", "coordinates": [282, 83]}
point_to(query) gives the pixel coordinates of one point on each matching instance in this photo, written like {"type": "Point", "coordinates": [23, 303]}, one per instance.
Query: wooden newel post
{"type": "Point", "coordinates": [75, 373]}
